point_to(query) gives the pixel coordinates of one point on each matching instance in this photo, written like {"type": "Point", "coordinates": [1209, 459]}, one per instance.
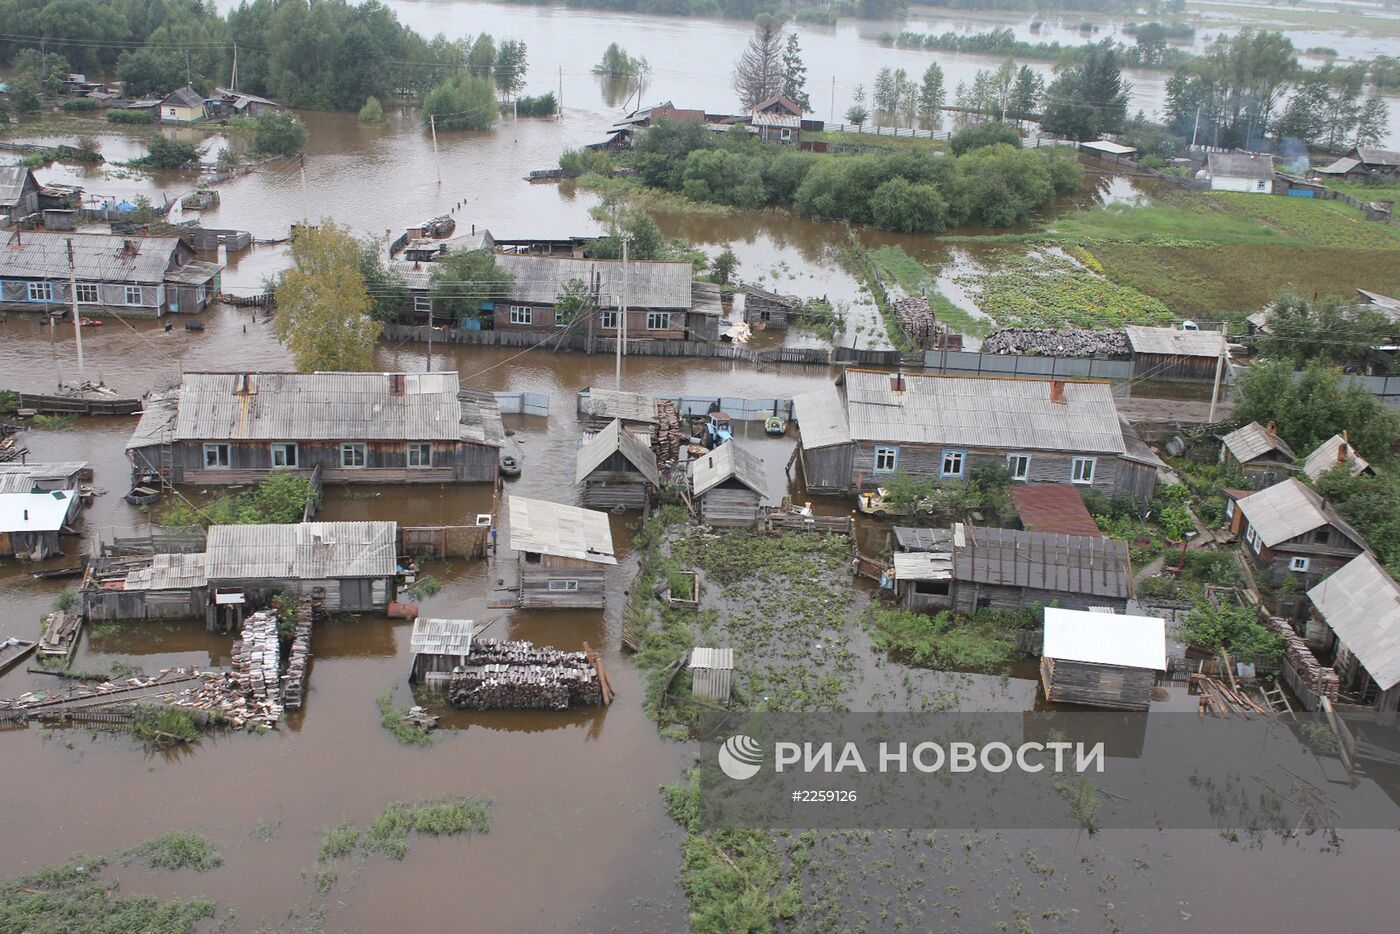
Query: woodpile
{"type": "Point", "coordinates": [257, 662]}
{"type": "Point", "coordinates": [294, 681]}
{"type": "Point", "coordinates": [1316, 676]}
{"type": "Point", "coordinates": [1219, 699]}
{"type": "Point", "coordinates": [1057, 342]}
{"type": "Point", "coordinates": [667, 439]}
{"type": "Point", "coordinates": [517, 675]}
{"type": "Point", "coordinates": [916, 319]}
{"type": "Point", "coordinates": [9, 444]}
{"type": "Point", "coordinates": [60, 636]}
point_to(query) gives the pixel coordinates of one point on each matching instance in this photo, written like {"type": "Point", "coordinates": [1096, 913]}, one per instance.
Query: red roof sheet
{"type": "Point", "coordinates": [1053, 507]}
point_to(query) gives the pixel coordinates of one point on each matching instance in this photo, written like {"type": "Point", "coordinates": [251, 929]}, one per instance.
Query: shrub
{"type": "Point", "coordinates": [79, 104]}
{"type": "Point", "coordinates": [279, 133]}
{"type": "Point", "coordinates": [983, 134]}
{"type": "Point", "coordinates": [372, 111]}
{"type": "Point", "coordinates": [177, 850]}
{"type": "Point", "coordinates": [544, 105]}
{"type": "Point", "coordinates": [165, 153]}
{"type": "Point", "coordinates": [1234, 628]}
{"type": "Point", "coordinates": [462, 102]}
{"type": "Point", "coordinates": [124, 115]}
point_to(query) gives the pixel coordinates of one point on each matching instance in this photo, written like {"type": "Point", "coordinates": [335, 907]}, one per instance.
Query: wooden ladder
{"type": "Point", "coordinates": [1278, 700]}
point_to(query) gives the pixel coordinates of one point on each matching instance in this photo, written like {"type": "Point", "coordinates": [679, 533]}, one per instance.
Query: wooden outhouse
{"type": "Point", "coordinates": [728, 486]}
{"type": "Point", "coordinates": [616, 469]}
{"type": "Point", "coordinates": [439, 646]}
{"type": "Point", "coordinates": [564, 554]}
{"type": "Point", "coordinates": [1102, 659]}
{"type": "Point", "coordinates": [1357, 611]}
{"type": "Point", "coordinates": [1261, 454]}
{"type": "Point", "coordinates": [712, 673]}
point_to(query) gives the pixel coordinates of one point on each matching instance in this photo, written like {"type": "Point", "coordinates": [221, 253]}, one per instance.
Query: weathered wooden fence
{"type": "Point", "coordinates": [445, 541]}
{"type": "Point", "coordinates": [72, 405]}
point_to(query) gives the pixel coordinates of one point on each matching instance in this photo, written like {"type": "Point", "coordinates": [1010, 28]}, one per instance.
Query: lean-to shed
{"type": "Point", "coordinates": [712, 673]}
{"type": "Point", "coordinates": [1102, 659]}
{"type": "Point", "coordinates": [728, 486]}
{"type": "Point", "coordinates": [439, 646]}
{"type": "Point", "coordinates": [616, 469]}
{"type": "Point", "coordinates": [564, 553]}
{"type": "Point", "coordinates": [1261, 454]}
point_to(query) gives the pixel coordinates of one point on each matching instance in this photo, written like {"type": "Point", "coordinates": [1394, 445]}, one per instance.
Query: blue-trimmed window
{"type": "Point", "coordinates": [1019, 466]}
{"type": "Point", "coordinates": [954, 464]}
{"type": "Point", "coordinates": [886, 459]}
{"type": "Point", "coordinates": [41, 291]}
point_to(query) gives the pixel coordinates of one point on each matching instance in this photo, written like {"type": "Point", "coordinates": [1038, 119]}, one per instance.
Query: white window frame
{"type": "Point", "coordinates": [128, 291]}
{"type": "Point", "coordinates": [418, 448]}
{"type": "Point", "coordinates": [887, 453]}
{"type": "Point", "coordinates": [961, 459]}
{"type": "Point", "coordinates": [563, 586]}
{"type": "Point", "coordinates": [88, 293]}
{"type": "Point", "coordinates": [1298, 564]}
{"type": "Point", "coordinates": [658, 321]}
{"type": "Point", "coordinates": [423, 304]}
{"type": "Point", "coordinates": [222, 452]}
{"type": "Point", "coordinates": [40, 291]}
{"type": "Point", "coordinates": [1023, 461]}
{"type": "Point", "coordinates": [1252, 537]}
{"type": "Point", "coordinates": [283, 448]}
{"type": "Point", "coordinates": [522, 314]}
{"type": "Point", "coordinates": [348, 447]}
{"type": "Point", "coordinates": [1261, 184]}
{"type": "Point", "coordinates": [1078, 473]}
{"type": "Point", "coordinates": [607, 320]}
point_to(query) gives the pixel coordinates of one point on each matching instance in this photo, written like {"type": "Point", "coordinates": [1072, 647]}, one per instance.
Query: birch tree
{"type": "Point", "coordinates": [323, 305]}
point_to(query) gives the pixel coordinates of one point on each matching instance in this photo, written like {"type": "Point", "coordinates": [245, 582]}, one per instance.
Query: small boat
{"type": "Point", "coordinates": [510, 465]}
{"type": "Point", "coordinates": [91, 322]}
{"type": "Point", "coordinates": [145, 491]}
{"type": "Point", "coordinates": [774, 425]}
{"type": "Point", "coordinates": [12, 650]}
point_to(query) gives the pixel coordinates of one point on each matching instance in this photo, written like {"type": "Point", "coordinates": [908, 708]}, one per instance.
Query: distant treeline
{"type": "Point", "coordinates": [803, 10]}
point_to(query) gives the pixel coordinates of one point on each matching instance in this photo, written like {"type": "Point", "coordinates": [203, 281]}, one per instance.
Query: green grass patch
{"type": "Point", "coordinates": [179, 849]}
{"type": "Point", "coordinates": [392, 719]}
{"type": "Point", "coordinates": [340, 840]}
{"type": "Point", "coordinates": [870, 141]}
{"type": "Point", "coordinates": [1389, 191]}
{"type": "Point", "coordinates": [54, 422]}
{"type": "Point", "coordinates": [425, 586]}
{"type": "Point", "coordinates": [982, 641]}
{"type": "Point", "coordinates": [164, 726]}
{"type": "Point", "coordinates": [449, 817]}
{"type": "Point", "coordinates": [1083, 798]}
{"type": "Point", "coordinates": [1047, 291]}
{"type": "Point", "coordinates": [893, 263]}
{"type": "Point", "coordinates": [634, 192]}
{"type": "Point", "coordinates": [72, 897]}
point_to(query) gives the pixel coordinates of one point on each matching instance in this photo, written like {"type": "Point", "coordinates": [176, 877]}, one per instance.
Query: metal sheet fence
{"type": "Point", "coordinates": [741, 410]}
{"type": "Point", "coordinates": [523, 403]}
{"type": "Point", "coordinates": [965, 362]}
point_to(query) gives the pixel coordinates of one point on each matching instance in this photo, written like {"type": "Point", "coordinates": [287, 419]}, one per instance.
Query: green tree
{"type": "Point", "coordinates": [511, 65]}
{"type": "Point", "coordinates": [571, 301]}
{"type": "Point", "coordinates": [1372, 121]}
{"type": "Point", "coordinates": [886, 100]}
{"type": "Point", "coordinates": [463, 280]}
{"type": "Point", "coordinates": [44, 71]}
{"type": "Point", "coordinates": [373, 111]}
{"type": "Point", "coordinates": [982, 134]}
{"type": "Point", "coordinates": [388, 292]}
{"type": "Point", "coordinates": [795, 74]}
{"type": "Point", "coordinates": [165, 153]}
{"type": "Point", "coordinates": [906, 208]}
{"type": "Point", "coordinates": [758, 74]}
{"type": "Point", "coordinates": [279, 133]}
{"type": "Point", "coordinates": [932, 94]}
{"type": "Point", "coordinates": [1311, 406]}
{"type": "Point", "coordinates": [1088, 99]}
{"type": "Point", "coordinates": [722, 269]}
{"type": "Point", "coordinates": [481, 60]}
{"type": "Point", "coordinates": [150, 72]}
{"type": "Point", "coordinates": [1025, 94]}
{"type": "Point", "coordinates": [323, 305]}
{"type": "Point", "coordinates": [1329, 331]}
{"type": "Point", "coordinates": [857, 112]}
{"type": "Point", "coordinates": [462, 102]}
{"type": "Point", "coordinates": [616, 63]}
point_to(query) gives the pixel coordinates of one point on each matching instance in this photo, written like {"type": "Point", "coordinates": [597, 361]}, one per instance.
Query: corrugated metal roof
{"type": "Point", "coordinates": [1171, 342]}
{"type": "Point", "coordinates": [331, 407]}
{"type": "Point", "coordinates": [1103, 639]}
{"type": "Point", "coordinates": [910, 538]}
{"type": "Point", "coordinates": [34, 512]}
{"type": "Point", "coordinates": [614, 403]}
{"type": "Point", "coordinates": [12, 179]}
{"type": "Point", "coordinates": [923, 566]}
{"type": "Point", "coordinates": [1335, 450]}
{"type": "Point", "coordinates": [537, 525]}
{"type": "Point", "coordinates": [171, 572]}
{"type": "Point", "coordinates": [184, 97]}
{"type": "Point", "coordinates": [1240, 165]}
{"type": "Point", "coordinates": [1372, 156]}
{"type": "Point", "coordinates": [821, 418]}
{"type": "Point", "coordinates": [33, 254]}
{"type": "Point", "coordinates": [1108, 146]}
{"type": "Point", "coordinates": [790, 121]}
{"type": "Point", "coordinates": [20, 478]}
{"type": "Point", "coordinates": [1254, 440]}
{"type": "Point", "coordinates": [1136, 449]}
{"type": "Point", "coordinates": [1361, 603]}
{"type": "Point", "coordinates": [705, 299]}
{"type": "Point", "coordinates": [720, 659]}
{"type": "Point", "coordinates": [1340, 167]}
{"type": "Point", "coordinates": [1015, 414]}
{"type": "Point", "coordinates": [1077, 564]}
{"type": "Point", "coordinates": [650, 284]}
{"type": "Point", "coordinates": [195, 272]}
{"type": "Point", "coordinates": [157, 415]}
{"type": "Point", "coordinates": [1053, 507]}
{"type": "Point", "coordinates": [613, 439]}
{"type": "Point", "coordinates": [302, 551]}
{"type": "Point", "coordinates": [441, 636]}
{"type": "Point", "coordinates": [1288, 509]}
{"type": "Point", "coordinates": [725, 462]}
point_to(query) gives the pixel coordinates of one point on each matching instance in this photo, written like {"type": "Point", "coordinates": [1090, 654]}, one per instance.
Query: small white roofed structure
{"type": "Point", "coordinates": [438, 646]}
{"type": "Point", "coordinates": [1106, 639]}
{"type": "Point", "coordinates": [541, 527]}
{"type": "Point", "coordinates": [711, 673]}
{"type": "Point", "coordinates": [35, 512]}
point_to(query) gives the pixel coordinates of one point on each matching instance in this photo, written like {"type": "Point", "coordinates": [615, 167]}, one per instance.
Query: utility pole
{"type": "Point", "coordinates": [305, 208]}
{"type": "Point", "coordinates": [73, 303]}
{"type": "Point", "coordinates": [1219, 371]}
{"type": "Point", "coordinates": [561, 92]}
{"type": "Point", "coordinates": [233, 80]}
{"type": "Point", "coordinates": [188, 82]}
{"type": "Point", "coordinates": [833, 98]}
{"type": "Point", "coordinates": [437, 162]}
{"type": "Point", "coordinates": [621, 334]}
{"type": "Point", "coordinates": [1195, 126]}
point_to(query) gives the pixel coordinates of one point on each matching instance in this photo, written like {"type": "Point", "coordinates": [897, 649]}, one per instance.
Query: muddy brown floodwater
{"type": "Point", "coordinates": [579, 840]}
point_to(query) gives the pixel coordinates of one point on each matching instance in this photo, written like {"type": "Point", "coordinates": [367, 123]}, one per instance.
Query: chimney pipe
{"type": "Point", "coordinates": [1057, 392]}
{"type": "Point", "coordinates": [1342, 453]}
{"type": "Point", "coordinates": [897, 382]}
{"type": "Point", "coordinates": [1272, 429]}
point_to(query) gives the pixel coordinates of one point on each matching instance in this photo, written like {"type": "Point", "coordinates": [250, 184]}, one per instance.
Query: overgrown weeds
{"type": "Point", "coordinates": [392, 719]}
{"type": "Point", "coordinates": [164, 726]}
{"type": "Point", "coordinates": [981, 641]}
{"type": "Point", "coordinates": [179, 849]}
{"type": "Point", "coordinates": [72, 897]}
{"type": "Point", "coordinates": [388, 833]}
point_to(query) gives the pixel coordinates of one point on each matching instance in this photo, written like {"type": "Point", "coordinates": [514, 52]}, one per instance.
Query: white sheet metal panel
{"type": "Point", "coordinates": [543, 527]}
{"type": "Point", "coordinates": [981, 413]}
{"type": "Point", "coordinates": [35, 512]}
{"type": "Point", "coordinates": [821, 418]}
{"type": "Point", "coordinates": [303, 551]}
{"type": "Point", "coordinates": [1361, 604]}
{"type": "Point", "coordinates": [1287, 510]}
{"type": "Point", "coordinates": [703, 657]}
{"type": "Point", "coordinates": [923, 566]}
{"type": "Point", "coordinates": [1101, 639]}
{"type": "Point", "coordinates": [432, 636]}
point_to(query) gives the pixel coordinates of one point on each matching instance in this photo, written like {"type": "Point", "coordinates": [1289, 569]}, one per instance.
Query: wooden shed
{"type": "Point", "coordinates": [1009, 569]}
{"type": "Point", "coordinates": [1102, 659]}
{"type": "Point", "coordinates": [767, 310]}
{"type": "Point", "coordinates": [711, 673]}
{"type": "Point", "coordinates": [924, 579]}
{"type": "Point", "coordinates": [564, 554]}
{"type": "Point", "coordinates": [160, 586]}
{"type": "Point", "coordinates": [30, 523]}
{"type": "Point", "coordinates": [1261, 454]}
{"type": "Point", "coordinates": [728, 486]}
{"type": "Point", "coordinates": [616, 469]}
{"type": "Point", "coordinates": [1171, 354]}
{"type": "Point", "coordinates": [1335, 452]}
{"type": "Point", "coordinates": [1357, 611]}
{"type": "Point", "coordinates": [439, 647]}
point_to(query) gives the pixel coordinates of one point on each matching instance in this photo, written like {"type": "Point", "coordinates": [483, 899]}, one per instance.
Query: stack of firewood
{"type": "Point", "coordinates": [916, 319]}
{"type": "Point", "coordinates": [520, 675]}
{"type": "Point", "coordinates": [294, 681]}
{"type": "Point", "coordinates": [1057, 342]}
{"type": "Point", "coordinates": [1321, 679]}
{"type": "Point", "coordinates": [257, 660]}
{"type": "Point", "coordinates": [667, 439]}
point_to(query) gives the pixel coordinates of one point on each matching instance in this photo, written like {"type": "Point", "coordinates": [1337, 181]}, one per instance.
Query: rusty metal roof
{"type": "Point", "coordinates": [1053, 507]}
{"type": "Point", "coordinates": [1076, 564]}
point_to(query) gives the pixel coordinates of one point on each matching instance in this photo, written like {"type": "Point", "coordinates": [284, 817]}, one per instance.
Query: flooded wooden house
{"type": "Point", "coordinates": [779, 119]}
{"type": "Point", "coordinates": [1259, 452]}
{"type": "Point", "coordinates": [659, 298]}
{"type": "Point", "coordinates": [144, 277]}
{"type": "Point", "coordinates": [350, 566]}
{"type": "Point", "coordinates": [1355, 630]}
{"type": "Point", "coordinates": [564, 554]}
{"type": "Point", "coordinates": [1008, 569]}
{"type": "Point", "coordinates": [767, 310]}
{"type": "Point", "coordinates": [1290, 532]}
{"type": "Point", "coordinates": [159, 586]}
{"type": "Point", "coordinates": [439, 647]}
{"type": "Point", "coordinates": [235, 428]}
{"type": "Point", "coordinates": [31, 522]}
{"type": "Point", "coordinates": [616, 469]}
{"type": "Point", "coordinates": [19, 193]}
{"type": "Point", "coordinates": [728, 486]}
{"type": "Point", "coordinates": [1102, 659]}
{"type": "Point", "coordinates": [854, 436]}
{"type": "Point", "coordinates": [1336, 452]}
{"type": "Point", "coordinates": [1173, 354]}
